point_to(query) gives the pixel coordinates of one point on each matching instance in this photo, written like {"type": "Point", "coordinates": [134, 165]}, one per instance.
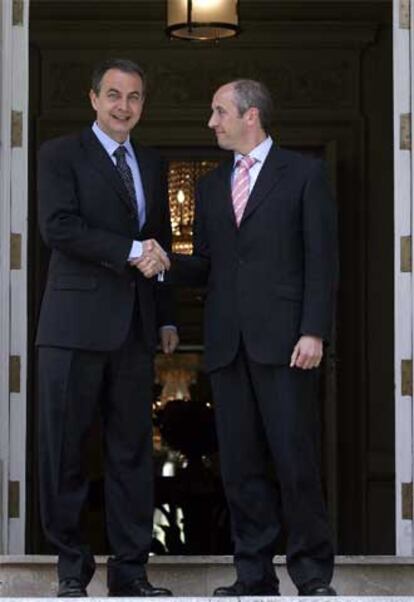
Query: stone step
{"type": "Point", "coordinates": [197, 576]}
{"type": "Point", "coordinates": [243, 599]}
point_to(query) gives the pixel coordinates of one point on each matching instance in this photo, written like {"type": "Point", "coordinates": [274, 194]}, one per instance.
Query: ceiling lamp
{"type": "Point", "coordinates": [202, 20]}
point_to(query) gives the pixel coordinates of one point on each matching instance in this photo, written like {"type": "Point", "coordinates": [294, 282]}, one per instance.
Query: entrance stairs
{"type": "Point", "coordinates": [197, 576]}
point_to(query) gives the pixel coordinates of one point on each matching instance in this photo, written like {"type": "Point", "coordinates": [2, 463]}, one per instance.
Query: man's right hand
{"type": "Point", "coordinates": [153, 259]}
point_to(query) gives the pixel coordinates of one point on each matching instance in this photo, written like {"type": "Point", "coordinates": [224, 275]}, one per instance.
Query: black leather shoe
{"type": "Point", "coordinates": [317, 590]}
{"type": "Point", "coordinates": [139, 588]}
{"type": "Point", "coordinates": [239, 588]}
{"type": "Point", "coordinates": [71, 588]}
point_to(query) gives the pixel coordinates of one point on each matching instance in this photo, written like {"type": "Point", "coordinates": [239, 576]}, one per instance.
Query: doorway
{"type": "Point", "coordinates": [333, 99]}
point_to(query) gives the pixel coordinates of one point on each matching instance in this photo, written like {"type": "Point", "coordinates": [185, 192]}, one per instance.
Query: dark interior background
{"type": "Point", "coordinates": [329, 67]}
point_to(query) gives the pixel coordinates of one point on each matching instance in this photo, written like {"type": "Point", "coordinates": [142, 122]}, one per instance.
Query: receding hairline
{"type": "Point", "coordinates": [229, 85]}
{"type": "Point", "coordinates": [232, 87]}
{"type": "Point", "coordinates": [222, 89]}
{"type": "Point", "coordinates": [251, 94]}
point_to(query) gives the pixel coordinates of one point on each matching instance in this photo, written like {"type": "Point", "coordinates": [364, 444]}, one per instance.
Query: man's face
{"type": "Point", "coordinates": [229, 127]}
{"type": "Point", "coordinates": [119, 103]}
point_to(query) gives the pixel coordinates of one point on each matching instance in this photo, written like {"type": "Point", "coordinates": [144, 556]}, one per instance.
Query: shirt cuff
{"type": "Point", "coordinates": [170, 326]}
{"type": "Point", "coordinates": [136, 250]}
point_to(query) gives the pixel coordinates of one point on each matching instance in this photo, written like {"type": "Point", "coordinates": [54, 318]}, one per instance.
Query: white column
{"type": "Point", "coordinates": [13, 278]}
{"type": "Point", "coordinates": [5, 166]}
{"type": "Point", "coordinates": [403, 203]}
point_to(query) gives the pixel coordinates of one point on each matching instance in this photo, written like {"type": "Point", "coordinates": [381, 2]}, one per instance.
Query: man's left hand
{"type": "Point", "coordinates": [307, 353]}
{"type": "Point", "coordinates": [169, 339]}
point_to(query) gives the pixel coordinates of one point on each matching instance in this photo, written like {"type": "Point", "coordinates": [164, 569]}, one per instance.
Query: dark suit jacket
{"type": "Point", "coordinates": [274, 278]}
{"type": "Point", "coordinates": [85, 218]}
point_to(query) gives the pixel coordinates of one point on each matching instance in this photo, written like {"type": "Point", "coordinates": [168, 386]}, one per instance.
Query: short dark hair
{"type": "Point", "coordinates": [251, 93]}
{"type": "Point", "coordinates": [124, 65]}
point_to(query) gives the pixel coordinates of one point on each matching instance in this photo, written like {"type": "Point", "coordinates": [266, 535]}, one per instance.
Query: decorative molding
{"type": "Point", "coordinates": [259, 10]}
{"type": "Point", "coordinates": [18, 12]}
{"type": "Point", "coordinates": [405, 254]}
{"type": "Point", "coordinates": [15, 251]}
{"type": "Point", "coordinates": [404, 14]}
{"type": "Point", "coordinates": [14, 499]}
{"type": "Point", "coordinates": [407, 501]}
{"type": "Point", "coordinates": [405, 131]}
{"type": "Point", "coordinates": [2, 488]}
{"type": "Point", "coordinates": [17, 129]}
{"type": "Point", "coordinates": [140, 36]}
{"type": "Point", "coordinates": [14, 157]}
{"type": "Point", "coordinates": [406, 377]}
{"type": "Point", "coordinates": [321, 82]}
{"type": "Point", "coordinates": [328, 84]}
{"type": "Point", "coordinates": [14, 373]}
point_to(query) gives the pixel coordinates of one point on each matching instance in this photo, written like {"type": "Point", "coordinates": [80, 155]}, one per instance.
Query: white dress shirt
{"type": "Point", "coordinates": [259, 153]}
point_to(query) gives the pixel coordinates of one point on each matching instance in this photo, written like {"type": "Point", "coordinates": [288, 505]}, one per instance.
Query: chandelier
{"type": "Point", "coordinates": [202, 20]}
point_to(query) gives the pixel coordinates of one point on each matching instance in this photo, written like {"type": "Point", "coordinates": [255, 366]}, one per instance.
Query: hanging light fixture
{"type": "Point", "coordinates": [202, 20]}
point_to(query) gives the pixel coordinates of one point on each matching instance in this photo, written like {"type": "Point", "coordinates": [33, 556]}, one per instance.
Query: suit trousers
{"type": "Point", "coordinates": [74, 384]}
{"type": "Point", "coordinates": [267, 417]}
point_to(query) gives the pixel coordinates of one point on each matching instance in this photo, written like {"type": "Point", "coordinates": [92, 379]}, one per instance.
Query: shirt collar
{"type": "Point", "coordinates": [259, 152]}
{"type": "Point", "coordinates": [109, 144]}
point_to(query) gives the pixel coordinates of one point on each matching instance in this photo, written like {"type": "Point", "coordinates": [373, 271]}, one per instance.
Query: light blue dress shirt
{"type": "Point", "coordinates": [110, 145]}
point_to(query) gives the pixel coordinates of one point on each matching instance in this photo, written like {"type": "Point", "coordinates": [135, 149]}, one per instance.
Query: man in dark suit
{"type": "Point", "coordinates": [265, 237]}
{"type": "Point", "coordinates": [102, 203]}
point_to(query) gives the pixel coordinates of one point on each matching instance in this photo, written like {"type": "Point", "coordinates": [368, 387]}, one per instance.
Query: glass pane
{"type": "Point", "coordinates": [182, 177]}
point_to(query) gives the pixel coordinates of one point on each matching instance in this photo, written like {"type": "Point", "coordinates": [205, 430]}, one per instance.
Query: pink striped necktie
{"type": "Point", "coordinates": [241, 186]}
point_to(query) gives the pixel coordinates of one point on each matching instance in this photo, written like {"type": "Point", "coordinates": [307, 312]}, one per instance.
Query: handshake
{"type": "Point", "coordinates": [153, 259]}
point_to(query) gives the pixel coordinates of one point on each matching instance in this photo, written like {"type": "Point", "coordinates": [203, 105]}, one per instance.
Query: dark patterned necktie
{"type": "Point", "coordinates": [126, 176]}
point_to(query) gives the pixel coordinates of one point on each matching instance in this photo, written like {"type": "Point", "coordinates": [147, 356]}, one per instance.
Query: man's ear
{"type": "Point", "coordinates": [252, 115]}
{"type": "Point", "coordinates": [93, 98]}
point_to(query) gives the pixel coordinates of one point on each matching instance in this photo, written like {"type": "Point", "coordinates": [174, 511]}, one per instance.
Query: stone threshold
{"type": "Point", "coordinates": [241, 599]}
{"type": "Point", "coordinates": [34, 559]}
{"type": "Point", "coordinates": [196, 577]}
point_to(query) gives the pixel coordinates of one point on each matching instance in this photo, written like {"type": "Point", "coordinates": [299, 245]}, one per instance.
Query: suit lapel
{"type": "Point", "coordinates": [225, 189]}
{"type": "Point", "coordinates": [100, 159]}
{"type": "Point", "coordinates": [146, 172]}
{"type": "Point", "coordinates": [271, 174]}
